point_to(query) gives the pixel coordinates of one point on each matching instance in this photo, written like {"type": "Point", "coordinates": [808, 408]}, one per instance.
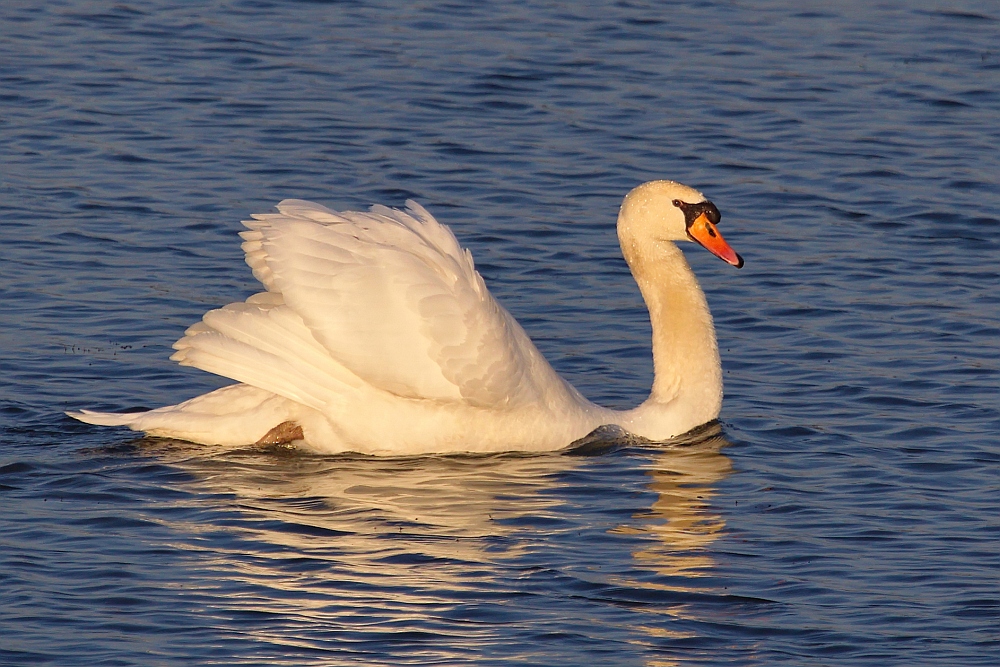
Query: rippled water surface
{"type": "Point", "coordinates": [844, 512]}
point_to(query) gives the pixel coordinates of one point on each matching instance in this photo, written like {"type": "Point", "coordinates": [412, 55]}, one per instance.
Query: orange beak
{"type": "Point", "coordinates": [704, 232]}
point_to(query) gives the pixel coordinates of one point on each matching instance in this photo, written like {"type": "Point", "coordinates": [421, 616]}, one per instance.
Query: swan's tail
{"type": "Point", "coordinates": [106, 418]}
{"type": "Point", "coordinates": [234, 415]}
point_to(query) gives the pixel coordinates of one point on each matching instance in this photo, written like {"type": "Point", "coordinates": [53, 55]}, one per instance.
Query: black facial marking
{"type": "Point", "coordinates": [692, 211]}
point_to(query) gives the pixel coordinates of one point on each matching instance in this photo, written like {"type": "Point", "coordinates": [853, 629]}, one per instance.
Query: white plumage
{"type": "Point", "coordinates": [376, 334]}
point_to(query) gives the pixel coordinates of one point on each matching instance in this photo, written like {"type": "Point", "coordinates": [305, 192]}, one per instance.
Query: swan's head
{"type": "Point", "coordinates": [668, 211]}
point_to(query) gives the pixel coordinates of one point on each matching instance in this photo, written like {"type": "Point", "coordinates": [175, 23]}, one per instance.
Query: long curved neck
{"type": "Point", "coordinates": [687, 382]}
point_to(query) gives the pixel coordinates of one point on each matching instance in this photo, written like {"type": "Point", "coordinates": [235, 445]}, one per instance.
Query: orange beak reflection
{"type": "Point", "coordinates": [704, 232]}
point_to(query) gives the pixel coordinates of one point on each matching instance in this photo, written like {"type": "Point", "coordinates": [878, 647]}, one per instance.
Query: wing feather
{"type": "Point", "coordinates": [263, 343]}
{"type": "Point", "coordinates": [393, 298]}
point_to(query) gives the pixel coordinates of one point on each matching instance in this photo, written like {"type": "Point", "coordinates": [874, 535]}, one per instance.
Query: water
{"type": "Point", "coordinates": [845, 513]}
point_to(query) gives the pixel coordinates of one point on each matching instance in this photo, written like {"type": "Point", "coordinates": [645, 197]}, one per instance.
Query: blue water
{"type": "Point", "coordinates": [845, 512]}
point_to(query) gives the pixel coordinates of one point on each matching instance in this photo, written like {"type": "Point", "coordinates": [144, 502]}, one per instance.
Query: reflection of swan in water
{"type": "Point", "coordinates": [457, 552]}
{"type": "Point", "coordinates": [681, 518]}
{"type": "Point", "coordinates": [436, 506]}
{"type": "Point", "coordinates": [467, 507]}
{"type": "Point", "coordinates": [681, 527]}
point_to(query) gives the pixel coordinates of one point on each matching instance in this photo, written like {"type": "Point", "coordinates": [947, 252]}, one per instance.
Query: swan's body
{"type": "Point", "coordinates": [376, 334]}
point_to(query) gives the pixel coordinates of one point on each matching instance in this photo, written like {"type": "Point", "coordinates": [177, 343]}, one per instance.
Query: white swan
{"type": "Point", "coordinates": [377, 335]}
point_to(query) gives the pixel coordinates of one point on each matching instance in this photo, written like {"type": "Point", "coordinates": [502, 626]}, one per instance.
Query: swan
{"type": "Point", "coordinates": [376, 334]}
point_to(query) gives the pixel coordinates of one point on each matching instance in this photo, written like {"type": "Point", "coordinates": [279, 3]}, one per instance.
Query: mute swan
{"type": "Point", "coordinates": [377, 335]}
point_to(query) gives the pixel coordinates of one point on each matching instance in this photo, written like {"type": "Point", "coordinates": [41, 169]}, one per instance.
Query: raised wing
{"type": "Point", "coordinates": [390, 296]}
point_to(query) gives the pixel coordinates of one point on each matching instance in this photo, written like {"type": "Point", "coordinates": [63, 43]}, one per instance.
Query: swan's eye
{"type": "Point", "coordinates": [677, 203]}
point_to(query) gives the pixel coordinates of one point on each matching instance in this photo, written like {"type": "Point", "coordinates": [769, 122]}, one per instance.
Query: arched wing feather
{"type": "Point", "coordinates": [394, 298]}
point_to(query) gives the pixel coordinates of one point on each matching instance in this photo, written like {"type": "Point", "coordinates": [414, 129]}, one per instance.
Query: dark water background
{"type": "Point", "coordinates": [847, 512]}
